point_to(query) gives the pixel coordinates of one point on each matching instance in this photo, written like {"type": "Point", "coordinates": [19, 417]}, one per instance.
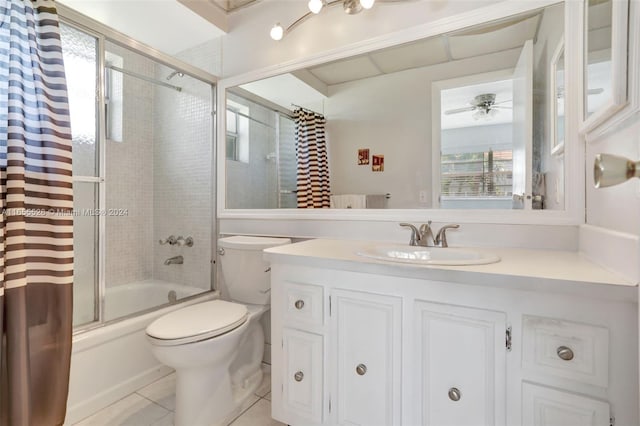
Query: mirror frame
{"type": "Point", "coordinates": [619, 58]}
{"type": "Point", "coordinates": [556, 147]}
{"type": "Point", "coordinates": [573, 214]}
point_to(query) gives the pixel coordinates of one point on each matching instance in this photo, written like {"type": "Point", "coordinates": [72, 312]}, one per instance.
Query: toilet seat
{"type": "Point", "coordinates": [197, 322]}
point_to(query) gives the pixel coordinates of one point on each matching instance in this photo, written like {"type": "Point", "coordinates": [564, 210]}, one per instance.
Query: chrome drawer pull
{"type": "Point", "coordinates": [299, 304]}
{"type": "Point", "coordinates": [565, 353]}
{"type": "Point", "coordinates": [361, 369]}
{"type": "Point", "coordinates": [454, 394]}
{"type": "Point", "coordinates": [298, 376]}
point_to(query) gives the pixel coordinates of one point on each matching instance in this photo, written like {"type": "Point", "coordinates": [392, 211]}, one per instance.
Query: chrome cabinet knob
{"type": "Point", "coordinates": [299, 304]}
{"type": "Point", "coordinates": [361, 369]}
{"type": "Point", "coordinates": [565, 353]}
{"type": "Point", "coordinates": [455, 394]}
{"type": "Point", "coordinates": [298, 376]}
{"type": "Point", "coordinates": [221, 251]}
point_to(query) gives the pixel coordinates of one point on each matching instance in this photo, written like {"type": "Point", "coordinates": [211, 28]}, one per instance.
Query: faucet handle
{"type": "Point", "coordinates": [441, 237]}
{"type": "Point", "coordinates": [171, 240]}
{"type": "Point", "coordinates": [415, 235]}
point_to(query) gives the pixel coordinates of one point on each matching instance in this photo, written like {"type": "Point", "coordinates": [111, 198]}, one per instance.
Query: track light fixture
{"type": "Point", "coordinates": [350, 7]}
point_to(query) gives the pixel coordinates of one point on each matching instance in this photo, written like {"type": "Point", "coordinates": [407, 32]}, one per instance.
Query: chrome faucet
{"type": "Point", "coordinates": [175, 260]}
{"type": "Point", "coordinates": [423, 236]}
{"type": "Point", "coordinates": [441, 236]}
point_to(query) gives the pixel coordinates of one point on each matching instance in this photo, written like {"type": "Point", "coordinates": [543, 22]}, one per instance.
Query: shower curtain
{"type": "Point", "coordinates": [313, 188]}
{"type": "Point", "coordinates": [36, 225]}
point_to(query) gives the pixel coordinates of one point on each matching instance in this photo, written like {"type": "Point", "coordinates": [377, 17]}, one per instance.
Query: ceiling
{"type": "Point", "coordinates": [152, 22]}
{"type": "Point", "coordinates": [232, 5]}
{"type": "Point", "coordinates": [478, 41]}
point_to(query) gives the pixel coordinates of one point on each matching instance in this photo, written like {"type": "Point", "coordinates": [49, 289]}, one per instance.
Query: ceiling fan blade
{"type": "Point", "coordinates": [503, 102]}
{"type": "Point", "coordinates": [459, 110]}
{"type": "Point", "coordinates": [501, 107]}
{"type": "Point", "coordinates": [595, 91]}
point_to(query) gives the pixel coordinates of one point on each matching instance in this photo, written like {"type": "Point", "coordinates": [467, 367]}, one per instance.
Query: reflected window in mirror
{"type": "Point", "coordinates": [476, 144]}
{"type": "Point", "coordinates": [260, 155]}
{"type": "Point", "coordinates": [599, 66]}
{"type": "Point", "coordinates": [237, 138]}
{"type": "Point", "coordinates": [557, 101]}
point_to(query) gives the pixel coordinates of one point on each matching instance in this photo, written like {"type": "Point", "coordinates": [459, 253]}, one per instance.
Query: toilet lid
{"type": "Point", "coordinates": [197, 322]}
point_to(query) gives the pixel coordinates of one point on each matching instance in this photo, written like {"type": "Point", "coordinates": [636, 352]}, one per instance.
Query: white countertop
{"type": "Point", "coordinates": [524, 268]}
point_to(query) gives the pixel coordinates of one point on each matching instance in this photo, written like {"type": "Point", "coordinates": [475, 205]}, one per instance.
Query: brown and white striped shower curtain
{"type": "Point", "coordinates": [313, 187]}
{"type": "Point", "coordinates": [36, 227]}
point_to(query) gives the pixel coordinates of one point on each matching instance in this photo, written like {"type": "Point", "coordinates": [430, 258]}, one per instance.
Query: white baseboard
{"type": "Point", "coordinates": [616, 251]}
{"type": "Point", "coordinates": [92, 405]}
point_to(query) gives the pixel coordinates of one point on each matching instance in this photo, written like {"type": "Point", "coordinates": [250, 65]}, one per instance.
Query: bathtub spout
{"type": "Point", "coordinates": [175, 260]}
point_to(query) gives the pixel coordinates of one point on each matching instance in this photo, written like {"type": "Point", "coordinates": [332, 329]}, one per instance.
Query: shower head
{"type": "Point", "coordinates": [173, 74]}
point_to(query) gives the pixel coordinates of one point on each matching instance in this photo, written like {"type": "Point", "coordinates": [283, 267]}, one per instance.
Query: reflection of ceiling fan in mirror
{"type": "Point", "coordinates": [482, 106]}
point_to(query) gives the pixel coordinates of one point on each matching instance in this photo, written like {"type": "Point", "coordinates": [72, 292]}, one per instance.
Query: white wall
{"type": "Point", "coordinates": [612, 234]}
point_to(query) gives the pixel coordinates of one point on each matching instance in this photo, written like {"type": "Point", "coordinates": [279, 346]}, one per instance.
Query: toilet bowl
{"type": "Point", "coordinates": [216, 347]}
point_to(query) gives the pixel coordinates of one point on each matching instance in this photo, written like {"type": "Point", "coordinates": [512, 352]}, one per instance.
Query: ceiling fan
{"type": "Point", "coordinates": [483, 105]}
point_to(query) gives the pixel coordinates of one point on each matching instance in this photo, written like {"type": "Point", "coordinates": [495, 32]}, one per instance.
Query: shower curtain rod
{"type": "Point", "coordinates": [306, 109]}
{"type": "Point", "coordinates": [144, 77]}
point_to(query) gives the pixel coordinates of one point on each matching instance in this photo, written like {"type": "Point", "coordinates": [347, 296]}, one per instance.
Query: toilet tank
{"type": "Point", "coordinates": [244, 270]}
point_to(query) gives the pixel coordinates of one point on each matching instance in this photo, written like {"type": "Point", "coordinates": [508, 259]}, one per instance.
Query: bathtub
{"type": "Point", "coordinates": [114, 360]}
{"type": "Point", "coordinates": [124, 300]}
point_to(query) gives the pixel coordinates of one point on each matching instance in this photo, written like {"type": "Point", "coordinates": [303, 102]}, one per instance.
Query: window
{"type": "Point", "coordinates": [477, 174]}
{"type": "Point", "coordinates": [232, 135]}
{"type": "Point", "coordinates": [113, 96]}
{"type": "Point", "coordinates": [237, 138]}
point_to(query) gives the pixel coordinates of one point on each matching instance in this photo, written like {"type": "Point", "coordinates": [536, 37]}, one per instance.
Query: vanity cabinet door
{"type": "Point", "coordinates": [303, 373]}
{"type": "Point", "coordinates": [366, 330]}
{"type": "Point", "coordinates": [462, 365]}
{"type": "Point", "coordinates": [542, 406]}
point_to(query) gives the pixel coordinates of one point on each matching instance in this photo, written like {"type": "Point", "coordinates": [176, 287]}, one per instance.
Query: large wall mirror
{"type": "Point", "coordinates": [455, 121]}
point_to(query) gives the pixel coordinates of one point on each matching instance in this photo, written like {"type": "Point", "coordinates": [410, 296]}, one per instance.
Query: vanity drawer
{"type": "Point", "coordinates": [304, 304]}
{"type": "Point", "coordinates": [566, 349]}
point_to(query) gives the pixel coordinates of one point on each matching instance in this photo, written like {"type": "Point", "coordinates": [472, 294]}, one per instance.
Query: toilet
{"type": "Point", "coordinates": [216, 347]}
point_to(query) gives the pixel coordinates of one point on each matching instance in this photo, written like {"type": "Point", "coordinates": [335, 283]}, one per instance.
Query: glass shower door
{"type": "Point", "coordinates": [81, 51]}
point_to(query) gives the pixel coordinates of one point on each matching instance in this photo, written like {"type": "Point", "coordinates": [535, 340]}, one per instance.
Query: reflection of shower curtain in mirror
{"type": "Point", "coordinates": [313, 163]}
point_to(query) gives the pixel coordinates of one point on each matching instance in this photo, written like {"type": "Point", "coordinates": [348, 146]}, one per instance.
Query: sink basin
{"type": "Point", "coordinates": [428, 255]}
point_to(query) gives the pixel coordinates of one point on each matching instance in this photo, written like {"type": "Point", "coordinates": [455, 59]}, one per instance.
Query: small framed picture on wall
{"type": "Point", "coordinates": [378, 163]}
{"type": "Point", "coordinates": [363, 156]}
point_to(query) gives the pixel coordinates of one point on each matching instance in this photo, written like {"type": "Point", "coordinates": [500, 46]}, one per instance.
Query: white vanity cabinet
{"type": "Point", "coordinates": [461, 365]}
{"type": "Point", "coordinates": [365, 344]}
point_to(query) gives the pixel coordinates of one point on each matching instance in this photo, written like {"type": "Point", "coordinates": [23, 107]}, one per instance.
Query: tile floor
{"type": "Point", "coordinates": [153, 405]}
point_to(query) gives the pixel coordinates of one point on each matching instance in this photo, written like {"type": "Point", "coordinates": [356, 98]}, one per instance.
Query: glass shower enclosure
{"type": "Point", "coordinates": [143, 173]}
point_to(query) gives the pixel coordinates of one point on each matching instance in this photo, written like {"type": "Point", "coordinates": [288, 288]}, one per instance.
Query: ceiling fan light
{"type": "Point", "coordinates": [277, 32]}
{"type": "Point", "coordinates": [315, 6]}
{"type": "Point", "coordinates": [367, 4]}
